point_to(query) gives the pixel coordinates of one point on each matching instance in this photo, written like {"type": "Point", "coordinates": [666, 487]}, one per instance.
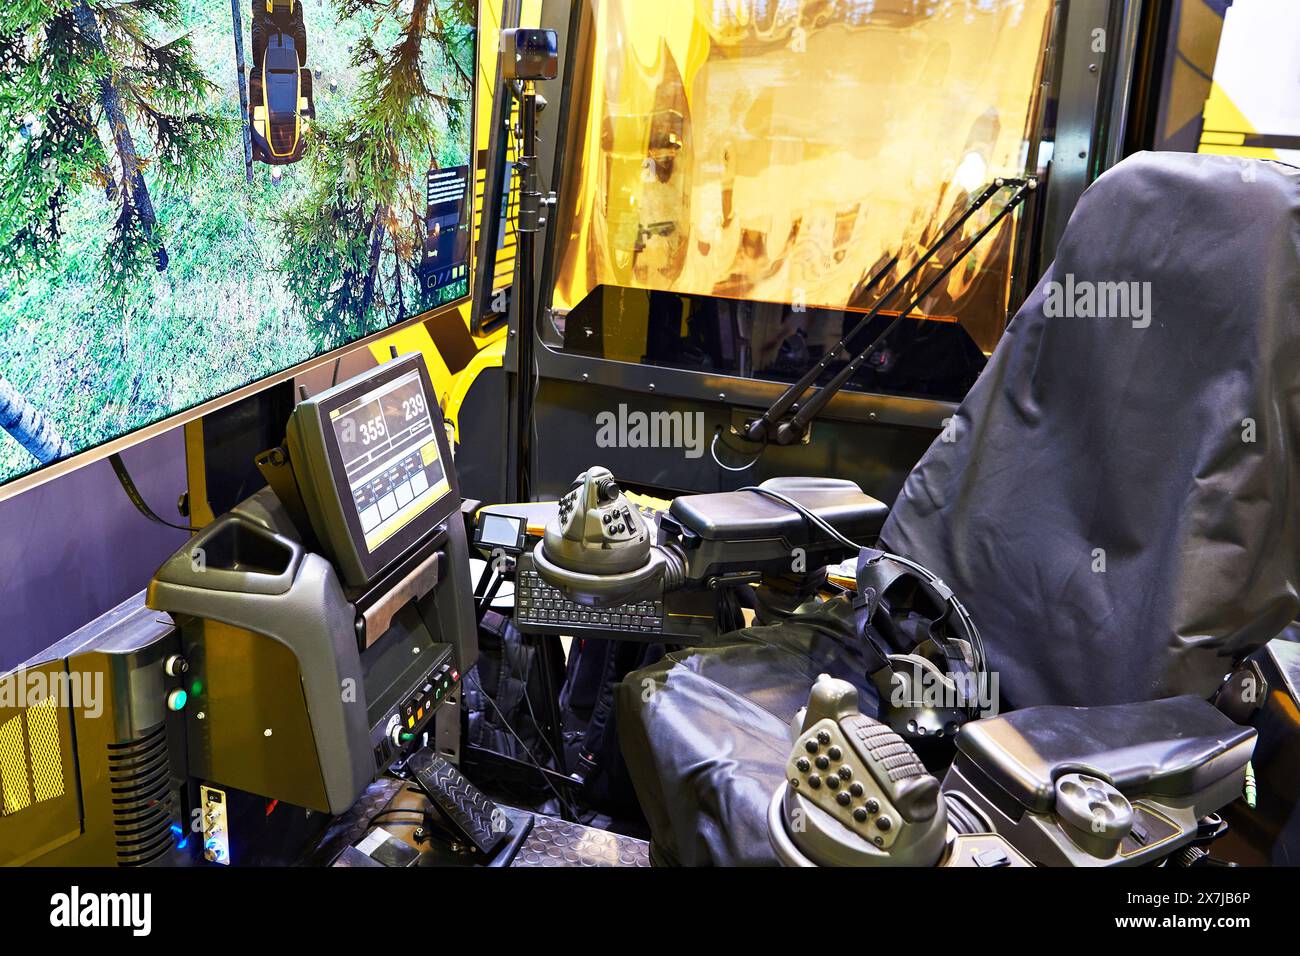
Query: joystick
{"type": "Point", "coordinates": [597, 550]}
{"type": "Point", "coordinates": [856, 794]}
{"type": "Point", "coordinates": [597, 530]}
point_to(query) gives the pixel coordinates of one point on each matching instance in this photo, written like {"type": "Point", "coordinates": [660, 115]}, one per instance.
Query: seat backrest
{"type": "Point", "coordinates": [1116, 500]}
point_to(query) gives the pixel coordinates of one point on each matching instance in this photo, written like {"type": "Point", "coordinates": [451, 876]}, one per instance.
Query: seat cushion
{"type": "Point", "coordinates": [706, 732]}
{"type": "Point", "coordinates": [1175, 747]}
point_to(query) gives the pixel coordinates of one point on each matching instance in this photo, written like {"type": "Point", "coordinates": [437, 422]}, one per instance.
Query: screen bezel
{"type": "Point", "coordinates": [42, 474]}
{"type": "Point", "coordinates": [480, 526]}
{"type": "Point", "coordinates": [373, 563]}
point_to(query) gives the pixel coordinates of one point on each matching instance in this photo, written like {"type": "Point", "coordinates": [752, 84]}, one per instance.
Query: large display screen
{"type": "Point", "coordinates": [197, 195]}
{"type": "Point", "coordinates": [390, 456]}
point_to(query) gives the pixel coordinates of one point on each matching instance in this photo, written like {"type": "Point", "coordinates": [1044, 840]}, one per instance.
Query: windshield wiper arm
{"type": "Point", "coordinates": [770, 426]}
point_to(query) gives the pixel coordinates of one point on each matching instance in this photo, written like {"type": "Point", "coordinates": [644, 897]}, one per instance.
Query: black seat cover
{"type": "Point", "coordinates": [1087, 440]}
{"type": "Point", "coordinates": [706, 732]}
{"type": "Point", "coordinates": [1084, 439]}
{"type": "Point", "coordinates": [1173, 748]}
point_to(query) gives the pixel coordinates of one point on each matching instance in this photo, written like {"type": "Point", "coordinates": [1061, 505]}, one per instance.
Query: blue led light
{"type": "Point", "coordinates": [182, 838]}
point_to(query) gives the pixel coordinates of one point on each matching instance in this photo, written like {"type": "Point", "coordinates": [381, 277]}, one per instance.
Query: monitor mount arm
{"type": "Point", "coordinates": [773, 426]}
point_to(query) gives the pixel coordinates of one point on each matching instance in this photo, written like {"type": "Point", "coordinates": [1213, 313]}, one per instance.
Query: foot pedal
{"type": "Point", "coordinates": [478, 819]}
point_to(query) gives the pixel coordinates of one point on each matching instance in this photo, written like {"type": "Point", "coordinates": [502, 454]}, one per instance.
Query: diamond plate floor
{"type": "Point", "coordinates": [553, 842]}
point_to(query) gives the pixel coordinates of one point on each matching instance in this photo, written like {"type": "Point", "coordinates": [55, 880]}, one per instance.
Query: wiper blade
{"type": "Point", "coordinates": [770, 427]}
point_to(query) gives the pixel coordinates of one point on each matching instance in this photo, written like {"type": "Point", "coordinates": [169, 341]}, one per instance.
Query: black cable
{"type": "Point", "coordinates": [528, 701]}
{"type": "Point", "coordinates": [713, 450]}
{"type": "Point", "coordinates": [537, 764]}
{"type": "Point", "coordinates": [496, 578]}
{"type": "Point", "coordinates": [137, 499]}
{"type": "Point", "coordinates": [485, 605]}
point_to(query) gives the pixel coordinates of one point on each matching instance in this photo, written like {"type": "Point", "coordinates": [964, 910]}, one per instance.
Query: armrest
{"type": "Point", "coordinates": [749, 516]}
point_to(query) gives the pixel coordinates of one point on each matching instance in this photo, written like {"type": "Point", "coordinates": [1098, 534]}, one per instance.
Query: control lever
{"type": "Point", "coordinates": [856, 794]}
{"type": "Point", "coordinates": [597, 550]}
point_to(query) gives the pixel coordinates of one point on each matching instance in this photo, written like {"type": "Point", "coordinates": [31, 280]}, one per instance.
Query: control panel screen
{"type": "Point", "coordinates": [502, 530]}
{"type": "Point", "coordinates": [389, 449]}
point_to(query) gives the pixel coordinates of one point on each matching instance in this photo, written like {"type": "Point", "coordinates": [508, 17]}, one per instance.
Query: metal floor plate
{"type": "Point", "coordinates": [553, 842]}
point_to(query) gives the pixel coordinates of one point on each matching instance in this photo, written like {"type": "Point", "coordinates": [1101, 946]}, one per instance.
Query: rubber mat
{"type": "Point", "coordinates": [556, 843]}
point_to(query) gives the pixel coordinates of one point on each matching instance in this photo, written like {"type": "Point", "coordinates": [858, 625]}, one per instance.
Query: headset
{"type": "Point", "coordinates": [925, 655]}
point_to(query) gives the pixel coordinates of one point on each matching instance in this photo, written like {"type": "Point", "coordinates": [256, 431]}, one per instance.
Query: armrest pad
{"type": "Point", "coordinates": [1175, 748]}
{"type": "Point", "coordinates": [748, 516]}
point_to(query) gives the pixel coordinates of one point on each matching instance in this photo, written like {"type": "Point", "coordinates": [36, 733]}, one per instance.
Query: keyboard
{"type": "Point", "coordinates": [541, 608]}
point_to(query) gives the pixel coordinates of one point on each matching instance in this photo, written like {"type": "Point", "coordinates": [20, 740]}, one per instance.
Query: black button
{"type": "Point", "coordinates": [860, 815]}
{"type": "Point", "coordinates": [815, 781]}
{"type": "Point", "coordinates": [883, 824]}
{"type": "Point", "coordinates": [822, 762]}
{"type": "Point", "coordinates": [843, 798]}
{"type": "Point", "coordinates": [811, 746]}
{"type": "Point", "coordinates": [856, 790]}
{"type": "Point", "coordinates": [823, 738]}
{"type": "Point", "coordinates": [835, 753]}
{"type": "Point", "coordinates": [846, 772]}
{"type": "Point", "coordinates": [802, 764]}
{"type": "Point", "coordinates": [873, 805]}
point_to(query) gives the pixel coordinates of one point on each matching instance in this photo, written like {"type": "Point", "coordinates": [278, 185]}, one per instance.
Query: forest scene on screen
{"type": "Point", "coordinates": [196, 194]}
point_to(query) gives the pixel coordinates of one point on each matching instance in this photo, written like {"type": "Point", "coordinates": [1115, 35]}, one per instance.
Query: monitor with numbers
{"type": "Point", "coordinates": [372, 461]}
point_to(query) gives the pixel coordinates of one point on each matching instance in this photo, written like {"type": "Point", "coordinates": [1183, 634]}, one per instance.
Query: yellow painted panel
{"type": "Point", "coordinates": [1226, 127]}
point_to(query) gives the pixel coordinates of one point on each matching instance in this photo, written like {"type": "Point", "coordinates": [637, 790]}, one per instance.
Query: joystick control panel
{"type": "Point", "coordinates": [856, 794]}
{"type": "Point", "coordinates": [597, 531]}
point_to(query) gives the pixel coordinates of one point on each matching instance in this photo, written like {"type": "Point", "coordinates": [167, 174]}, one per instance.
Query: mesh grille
{"type": "Point", "coordinates": [17, 795]}
{"type": "Point", "coordinates": [47, 756]}
{"type": "Point", "coordinates": [139, 778]}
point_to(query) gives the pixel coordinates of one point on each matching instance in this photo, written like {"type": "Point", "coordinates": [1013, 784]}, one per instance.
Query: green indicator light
{"type": "Point", "coordinates": [196, 687]}
{"type": "Point", "coordinates": [407, 738]}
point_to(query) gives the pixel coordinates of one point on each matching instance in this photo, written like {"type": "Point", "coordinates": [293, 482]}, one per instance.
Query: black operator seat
{"type": "Point", "coordinates": [1117, 511]}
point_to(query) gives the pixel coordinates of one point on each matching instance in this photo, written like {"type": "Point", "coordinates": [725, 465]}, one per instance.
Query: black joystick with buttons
{"type": "Point", "coordinates": [855, 794]}
{"type": "Point", "coordinates": [597, 550]}
{"type": "Point", "coordinates": [597, 530]}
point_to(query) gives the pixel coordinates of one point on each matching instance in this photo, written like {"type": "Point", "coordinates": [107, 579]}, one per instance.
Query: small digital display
{"type": "Point", "coordinates": [389, 449]}
{"type": "Point", "coordinates": [502, 530]}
